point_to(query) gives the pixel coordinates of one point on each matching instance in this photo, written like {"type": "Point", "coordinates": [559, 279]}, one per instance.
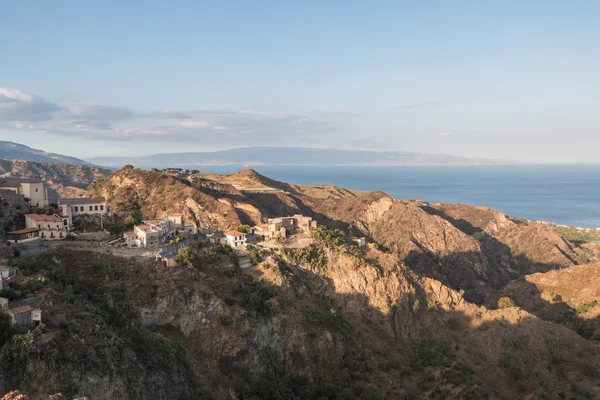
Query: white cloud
{"type": "Point", "coordinates": [195, 124]}
{"type": "Point", "coordinates": [98, 112]}
{"type": "Point", "coordinates": [16, 105]}
{"type": "Point", "coordinates": [28, 112]}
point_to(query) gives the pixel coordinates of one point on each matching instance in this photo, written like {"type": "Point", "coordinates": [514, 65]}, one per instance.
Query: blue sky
{"type": "Point", "coordinates": [481, 79]}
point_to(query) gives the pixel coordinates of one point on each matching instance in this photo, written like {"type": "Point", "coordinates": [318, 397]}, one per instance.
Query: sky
{"type": "Point", "coordinates": [508, 80]}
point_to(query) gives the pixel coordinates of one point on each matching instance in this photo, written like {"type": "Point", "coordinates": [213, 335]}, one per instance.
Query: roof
{"type": "Point", "coordinates": [11, 184]}
{"type": "Point", "coordinates": [7, 191]}
{"type": "Point", "coordinates": [3, 268]}
{"type": "Point", "coordinates": [82, 200]}
{"type": "Point", "coordinates": [43, 217]}
{"type": "Point", "coordinates": [20, 310]}
{"type": "Point", "coordinates": [176, 215]}
{"type": "Point", "coordinates": [167, 255]}
{"type": "Point", "coordinates": [23, 231]}
{"type": "Point", "coordinates": [129, 234]}
{"type": "Point", "coordinates": [31, 181]}
{"type": "Point", "coordinates": [234, 233]}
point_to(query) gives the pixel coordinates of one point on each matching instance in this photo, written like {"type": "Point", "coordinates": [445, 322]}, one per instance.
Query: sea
{"type": "Point", "coordinates": [558, 193]}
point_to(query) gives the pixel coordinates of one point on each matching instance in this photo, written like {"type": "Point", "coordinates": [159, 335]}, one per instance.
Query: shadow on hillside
{"type": "Point", "coordinates": [346, 347]}
{"type": "Point", "coordinates": [308, 337]}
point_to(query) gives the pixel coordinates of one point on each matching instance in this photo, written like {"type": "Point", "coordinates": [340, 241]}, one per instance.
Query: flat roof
{"type": "Point", "coordinates": [82, 200]}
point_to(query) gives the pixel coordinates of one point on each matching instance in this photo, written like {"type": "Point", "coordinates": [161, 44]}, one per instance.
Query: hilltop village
{"type": "Point", "coordinates": [169, 236]}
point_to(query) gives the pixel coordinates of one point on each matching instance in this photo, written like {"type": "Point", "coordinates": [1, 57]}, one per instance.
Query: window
{"type": "Point", "coordinates": [90, 208]}
{"type": "Point", "coordinates": [101, 208]}
{"type": "Point", "coordinates": [76, 208]}
{"type": "Point", "coordinates": [36, 190]}
{"type": "Point", "coordinates": [95, 208]}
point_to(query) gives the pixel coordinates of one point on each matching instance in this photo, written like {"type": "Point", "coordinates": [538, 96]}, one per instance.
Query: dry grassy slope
{"type": "Point", "coordinates": [65, 180]}
{"type": "Point", "coordinates": [570, 296]}
{"type": "Point", "coordinates": [429, 244]}
{"type": "Point", "coordinates": [357, 324]}
{"type": "Point", "coordinates": [156, 194]}
{"type": "Point", "coordinates": [532, 247]}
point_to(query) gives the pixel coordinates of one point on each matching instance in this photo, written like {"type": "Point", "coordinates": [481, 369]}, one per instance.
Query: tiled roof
{"type": "Point", "coordinates": [43, 217]}
{"type": "Point", "coordinates": [11, 184]}
{"type": "Point", "coordinates": [176, 215]}
{"type": "Point", "coordinates": [23, 231]}
{"type": "Point", "coordinates": [82, 200]}
{"type": "Point", "coordinates": [234, 233]}
{"type": "Point", "coordinates": [20, 310]}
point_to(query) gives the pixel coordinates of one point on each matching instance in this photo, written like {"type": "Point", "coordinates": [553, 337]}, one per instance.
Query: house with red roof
{"type": "Point", "coordinates": [235, 238]}
{"type": "Point", "coordinates": [50, 227]}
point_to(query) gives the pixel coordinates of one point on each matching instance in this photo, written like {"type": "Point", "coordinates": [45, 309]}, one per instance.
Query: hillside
{"type": "Point", "coordinates": [337, 325]}
{"type": "Point", "coordinates": [569, 296]}
{"type": "Point", "coordinates": [442, 304]}
{"type": "Point", "coordinates": [64, 180]}
{"type": "Point", "coordinates": [16, 151]}
{"type": "Point", "coordinates": [289, 156]}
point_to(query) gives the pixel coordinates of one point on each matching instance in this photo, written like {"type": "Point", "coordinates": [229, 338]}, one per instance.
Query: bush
{"type": "Point", "coordinates": [506, 302]}
{"type": "Point", "coordinates": [242, 228]}
{"type": "Point", "coordinates": [185, 256]}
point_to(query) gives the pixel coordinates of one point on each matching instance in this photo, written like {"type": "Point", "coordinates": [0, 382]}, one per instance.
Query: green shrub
{"type": "Point", "coordinates": [505, 302]}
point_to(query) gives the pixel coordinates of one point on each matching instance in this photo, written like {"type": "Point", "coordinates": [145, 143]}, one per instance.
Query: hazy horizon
{"type": "Point", "coordinates": [507, 81]}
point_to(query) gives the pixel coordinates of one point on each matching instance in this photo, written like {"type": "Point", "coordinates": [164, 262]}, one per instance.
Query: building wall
{"type": "Point", "coordinates": [22, 319]}
{"type": "Point", "coordinates": [36, 193]}
{"type": "Point", "coordinates": [236, 241]}
{"type": "Point", "coordinates": [3, 304]}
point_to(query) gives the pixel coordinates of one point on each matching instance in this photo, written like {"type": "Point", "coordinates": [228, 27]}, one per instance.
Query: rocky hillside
{"type": "Point", "coordinates": [442, 304]}
{"type": "Point", "coordinates": [467, 248]}
{"type": "Point", "coordinates": [329, 321]}
{"type": "Point", "coordinates": [64, 180]}
{"type": "Point", "coordinates": [569, 296]}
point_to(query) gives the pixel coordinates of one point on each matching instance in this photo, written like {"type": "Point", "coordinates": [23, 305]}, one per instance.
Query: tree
{"type": "Point", "coordinates": [128, 166]}
{"type": "Point", "coordinates": [242, 228]}
{"type": "Point", "coordinates": [195, 171]}
{"type": "Point", "coordinates": [177, 240]}
{"type": "Point", "coordinates": [129, 222]}
{"type": "Point", "coordinates": [171, 242]}
{"type": "Point", "coordinates": [185, 256]}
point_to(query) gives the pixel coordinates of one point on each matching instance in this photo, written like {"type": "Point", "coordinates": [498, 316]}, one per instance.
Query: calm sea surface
{"type": "Point", "coordinates": [564, 194]}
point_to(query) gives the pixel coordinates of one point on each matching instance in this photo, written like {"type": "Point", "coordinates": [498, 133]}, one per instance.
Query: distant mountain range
{"type": "Point", "coordinates": [289, 156]}
{"type": "Point", "coordinates": [16, 151]}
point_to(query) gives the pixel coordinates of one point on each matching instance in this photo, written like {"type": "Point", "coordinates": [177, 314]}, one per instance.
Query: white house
{"type": "Point", "coordinates": [235, 238]}
{"type": "Point", "coordinates": [50, 227]}
{"type": "Point", "coordinates": [3, 271]}
{"type": "Point", "coordinates": [78, 206]}
{"type": "Point", "coordinates": [361, 241]}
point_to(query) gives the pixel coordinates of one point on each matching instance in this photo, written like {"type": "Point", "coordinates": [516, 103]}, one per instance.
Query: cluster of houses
{"type": "Point", "coordinates": [280, 227]}
{"type": "Point", "coordinates": [23, 314]}
{"type": "Point", "coordinates": [155, 232]}
{"type": "Point", "coordinates": [44, 226]}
